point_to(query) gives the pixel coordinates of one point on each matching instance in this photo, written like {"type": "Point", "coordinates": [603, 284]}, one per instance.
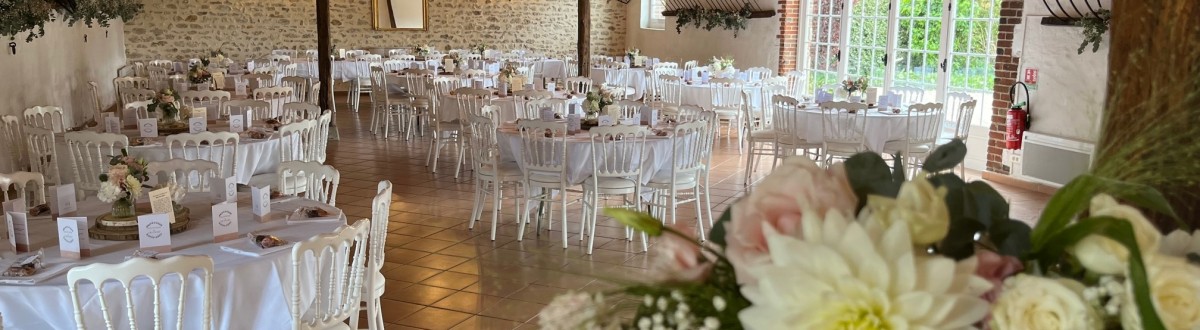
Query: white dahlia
{"type": "Point", "coordinates": [841, 275]}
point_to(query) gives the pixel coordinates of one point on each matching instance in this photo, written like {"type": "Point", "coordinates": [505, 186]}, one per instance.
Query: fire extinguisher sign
{"type": "Point", "coordinates": [1031, 77]}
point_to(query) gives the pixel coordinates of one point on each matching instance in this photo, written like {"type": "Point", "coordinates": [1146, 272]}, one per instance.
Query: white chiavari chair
{"type": "Point", "coordinates": [491, 174]}
{"type": "Point", "coordinates": [191, 175]}
{"type": "Point", "coordinates": [297, 111]}
{"type": "Point", "coordinates": [318, 182]}
{"type": "Point", "coordinates": [42, 153]}
{"type": "Point", "coordinates": [923, 125]}
{"type": "Point", "coordinates": [28, 185]}
{"type": "Point", "coordinates": [123, 84]}
{"type": "Point", "coordinates": [279, 59]}
{"type": "Point", "coordinates": [909, 95]}
{"type": "Point", "coordinates": [471, 101]}
{"type": "Point", "coordinates": [421, 102]}
{"type": "Point", "coordinates": [285, 52]}
{"type": "Point", "coordinates": [159, 77]}
{"type": "Point", "coordinates": [276, 96]}
{"type": "Point", "coordinates": [136, 94]}
{"type": "Point", "coordinates": [962, 127]}
{"type": "Point", "coordinates": [544, 165]}
{"type": "Point", "coordinates": [689, 142]}
{"type": "Point", "coordinates": [447, 131]}
{"type": "Point", "coordinates": [787, 124]}
{"type": "Point", "coordinates": [690, 64]}
{"type": "Point", "coordinates": [844, 127]}
{"type": "Point", "coordinates": [337, 262]}
{"type": "Point", "coordinates": [90, 153]}
{"type": "Point", "coordinates": [320, 133]}
{"type": "Point", "coordinates": [290, 69]}
{"type": "Point", "coordinates": [217, 147]}
{"type": "Point", "coordinates": [48, 117]}
{"type": "Point", "coordinates": [670, 90]}
{"type": "Point", "coordinates": [301, 87]}
{"type": "Point", "coordinates": [374, 283]}
{"type": "Point", "coordinates": [617, 156]}
{"type": "Point", "coordinates": [727, 102]}
{"type": "Point", "coordinates": [139, 110]}
{"type": "Point", "coordinates": [250, 110]}
{"type": "Point", "coordinates": [533, 109]}
{"type": "Point", "coordinates": [259, 80]}
{"type": "Point", "coordinates": [797, 82]}
{"type": "Point", "coordinates": [404, 57]}
{"type": "Point", "coordinates": [397, 52]}
{"type": "Point", "coordinates": [757, 74]}
{"type": "Point", "coordinates": [205, 99]}
{"type": "Point", "coordinates": [666, 65]}
{"type": "Point", "coordinates": [383, 110]}
{"type": "Point", "coordinates": [294, 145]}
{"type": "Point", "coordinates": [13, 144]}
{"type": "Point", "coordinates": [627, 109]}
{"type": "Point", "coordinates": [140, 269]}
{"type": "Point", "coordinates": [168, 65]}
{"type": "Point", "coordinates": [579, 85]}
{"type": "Point", "coordinates": [394, 65]}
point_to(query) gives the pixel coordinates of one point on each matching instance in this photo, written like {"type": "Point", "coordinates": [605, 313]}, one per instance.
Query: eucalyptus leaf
{"type": "Point", "coordinates": [868, 173]}
{"type": "Point", "coordinates": [898, 174]}
{"type": "Point", "coordinates": [949, 180]}
{"type": "Point", "coordinates": [984, 203]}
{"type": "Point", "coordinates": [960, 239]}
{"type": "Point", "coordinates": [945, 157]}
{"type": "Point", "coordinates": [1011, 237]}
{"type": "Point", "coordinates": [717, 234]}
{"type": "Point", "coordinates": [641, 221]}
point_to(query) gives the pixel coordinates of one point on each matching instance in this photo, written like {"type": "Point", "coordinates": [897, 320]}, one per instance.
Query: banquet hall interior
{"type": "Point", "coordinates": [477, 164]}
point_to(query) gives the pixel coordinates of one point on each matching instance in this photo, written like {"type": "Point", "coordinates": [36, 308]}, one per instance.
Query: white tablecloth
{"type": "Point", "coordinates": [880, 127]}
{"type": "Point", "coordinates": [635, 78]}
{"type": "Point", "coordinates": [254, 156]}
{"type": "Point", "coordinates": [350, 70]}
{"type": "Point", "coordinates": [550, 69]}
{"type": "Point", "coordinates": [248, 292]}
{"type": "Point", "coordinates": [701, 95]}
{"type": "Point", "coordinates": [448, 107]}
{"type": "Point", "coordinates": [579, 154]}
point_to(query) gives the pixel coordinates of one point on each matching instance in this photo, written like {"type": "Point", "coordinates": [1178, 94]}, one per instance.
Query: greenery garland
{"type": "Point", "coordinates": [19, 16]}
{"type": "Point", "coordinates": [1094, 28]}
{"type": "Point", "coordinates": [712, 18]}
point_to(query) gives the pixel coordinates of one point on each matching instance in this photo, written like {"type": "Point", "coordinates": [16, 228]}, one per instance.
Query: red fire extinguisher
{"type": "Point", "coordinates": [1018, 118]}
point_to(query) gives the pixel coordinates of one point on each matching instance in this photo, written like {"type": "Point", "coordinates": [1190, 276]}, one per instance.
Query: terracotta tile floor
{"type": "Point", "coordinates": [443, 276]}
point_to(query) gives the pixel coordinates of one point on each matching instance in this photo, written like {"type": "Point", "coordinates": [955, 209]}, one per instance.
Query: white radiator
{"type": "Point", "coordinates": [1053, 160]}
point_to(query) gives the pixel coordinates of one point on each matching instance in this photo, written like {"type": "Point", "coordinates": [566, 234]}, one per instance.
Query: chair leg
{"type": "Point", "coordinates": [749, 166]}
{"type": "Point", "coordinates": [523, 217]}
{"type": "Point", "coordinates": [708, 202]}
{"type": "Point", "coordinates": [563, 200]}
{"type": "Point", "coordinates": [495, 206]}
{"type": "Point", "coordinates": [477, 206]}
{"type": "Point", "coordinates": [699, 213]}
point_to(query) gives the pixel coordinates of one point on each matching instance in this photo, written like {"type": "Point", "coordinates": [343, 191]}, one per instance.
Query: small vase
{"type": "Point", "coordinates": [123, 208]}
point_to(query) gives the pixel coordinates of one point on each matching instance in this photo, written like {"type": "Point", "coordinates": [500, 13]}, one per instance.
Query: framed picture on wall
{"type": "Point", "coordinates": [400, 14]}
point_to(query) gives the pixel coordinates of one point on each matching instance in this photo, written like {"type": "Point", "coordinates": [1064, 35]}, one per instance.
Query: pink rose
{"type": "Point", "coordinates": [995, 268]}
{"type": "Point", "coordinates": [781, 200]}
{"type": "Point", "coordinates": [680, 259]}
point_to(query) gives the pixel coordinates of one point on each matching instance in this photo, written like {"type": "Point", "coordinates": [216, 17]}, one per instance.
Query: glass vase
{"type": "Point", "coordinates": [123, 208]}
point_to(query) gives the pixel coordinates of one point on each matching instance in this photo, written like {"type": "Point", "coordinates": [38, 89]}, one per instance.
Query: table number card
{"type": "Point", "coordinates": [112, 125]}
{"type": "Point", "coordinates": [160, 202]}
{"type": "Point", "coordinates": [573, 124]}
{"type": "Point", "coordinates": [550, 86]}
{"type": "Point", "coordinates": [73, 238]}
{"type": "Point", "coordinates": [631, 121]}
{"type": "Point", "coordinates": [547, 114]}
{"type": "Point", "coordinates": [63, 199]}
{"type": "Point", "coordinates": [148, 127]}
{"type": "Point", "coordinates": [261, 197]}
{"type": "Point", "coordinates": [197, 125]}
{"type": "Point", "coordinates": [18, 231]}
{"type": "Point", "coordinates": [649, 116]}
{"type": "Point", "coordinates": [239, 86]}
{"type": "Point", "coordinates": [154, 232]}
{"type": "Point", "coordinates": [237, 124]}
{"type": "Point", "coordinates": [225, 222]}
{"type": "Point", "coordinates": [605, 120]}
{"type": "Point", "coordinates": [200, 112]}
{"type": "Point", "coordinates": [226, 190]}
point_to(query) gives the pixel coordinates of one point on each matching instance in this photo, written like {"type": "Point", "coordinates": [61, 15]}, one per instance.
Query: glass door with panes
{"type": "Point", "coordinates": [866, 49]}
{"type": "Point", "coordinates": [821, 39]}
{"type": "Point", "coordinates": [918, 49]}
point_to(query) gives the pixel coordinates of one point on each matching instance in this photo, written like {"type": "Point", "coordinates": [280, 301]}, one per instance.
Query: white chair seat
{"type": "Point", "coordinates": [724, 112]}
{"type": "Point", "coordinates": [272, 179]}
{"type": "Point", "coordinates": [663, 181]}
{"type": "Point", "coordinates": [762, 136]}
{"type": "Point", "coordinates": [509, 171]}
{"type": "Point", "coordinates": [609, 184]}
{"type": "Point", "coordinates": [379, 286]}
{"type": "Point", "coordinates": [544, 180]}
{"type": "Point", "coordinates": [895, 146]}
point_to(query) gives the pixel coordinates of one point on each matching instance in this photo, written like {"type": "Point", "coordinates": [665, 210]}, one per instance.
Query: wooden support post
{"type": "Point", "coordinates": [325, 64]}
{"type": "Point", "coordinates": [585, 38]}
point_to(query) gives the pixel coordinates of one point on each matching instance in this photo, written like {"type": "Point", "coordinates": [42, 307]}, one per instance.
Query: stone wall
{"type": "Point", "coordinates": [242, 29]}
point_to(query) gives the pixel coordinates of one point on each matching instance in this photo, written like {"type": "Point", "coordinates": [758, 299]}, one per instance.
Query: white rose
{"type": "Point", "coordinates": [919, 205]}
{"type": "Point", "coordinates": [1175, 290]}
{"type": "Point", "coordinates": [1032, 302]}
{"type": "Point", "coordinates": [1105, 256]}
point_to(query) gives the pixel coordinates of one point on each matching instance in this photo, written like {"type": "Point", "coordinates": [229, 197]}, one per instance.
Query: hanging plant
{"type": "Point", "coordinates": [1094, 28]}
{"type": "Point", "coordinates": [17, 16]}
{"type": "Point", "coordinates": [100, 12]}
{"type": "Point", "coordinates": [709, 19]}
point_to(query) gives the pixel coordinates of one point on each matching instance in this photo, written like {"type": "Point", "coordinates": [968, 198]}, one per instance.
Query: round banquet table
{"type": "Point", "coordinates": [248, 292]}
{"type": "Point", "coordinates": [657, 160]}
{"type": "Point", "coordinates": [254, 156]}
{"type": "Point", "coordinates": [350, 70]}
{"type": "Point", "coordinates": [635, 79]}
{"type": "Point", "coordinates": [700, 94]}
{"type": "Point", "coordinates": [550, 69]}
{"type": "Point", "coordinates": [880, 128]}
{"type": "Point", "coordinates": [448, 108]}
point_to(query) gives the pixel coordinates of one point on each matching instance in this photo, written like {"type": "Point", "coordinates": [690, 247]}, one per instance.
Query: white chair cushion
{"type": "Point", "coordinates": [611, 183]}
{"type": "Point", "coordinates": [508, 171]}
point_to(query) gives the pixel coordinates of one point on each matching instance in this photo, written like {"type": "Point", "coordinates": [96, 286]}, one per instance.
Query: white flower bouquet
{"type": "Point", "coordinates": [858, 246]}
{"type": "Point", "coordinates": [722, 63]}
{"type": "Point", "coordinates": [122, 183]}
{"type": "Point", "coordinates": [423, 50]}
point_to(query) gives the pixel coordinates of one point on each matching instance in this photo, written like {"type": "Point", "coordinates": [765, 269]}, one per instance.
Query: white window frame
{"type": "Point", "coordinates": [652, 18]}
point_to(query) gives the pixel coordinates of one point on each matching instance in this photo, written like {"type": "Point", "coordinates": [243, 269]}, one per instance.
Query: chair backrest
{"type": "Point", "coordinates": [139, 109]}
{"type": "Point", "coordinates": [294, 141]}
{"type": "Point", "coordinates": [544, 149]}
{"type": "Point", "coordinates": [405, 57]}
{"type": "Point", "coordinates": [579, 85]}
{"type": "Point", "coordinates": [295, 111]}
{"type": "Point", "coordinates": [259, 80]}
{"type": "Point", "coordinates": [726, 92]}
{"type": "Point", "coordinates": [961, 119]}
{"type": "Point", "coordinates": [844, 124]}
{"type": "Point", "coordinates": [443, 85]}
{"type": "Point", "coordinates": [909, 95]}
{"type": "Point", "coordinates": [397, 52]}
{"type": "Point", "coordinates": [285, 52]}
{"type": "Point", "coordinates": [394, 65]}
{"type": "Point", "coordinates": [258, 109]}
{"type": "Point", "coordinates": [48, 117]}
{"type": "Point", "coordinates": [217, 147]}
{"type": "Point", "coordinates": [320, 133]}
{"type": "Point", "coordinates": [123, 84]}
{"type": "Point", "coordinates": [276, 96]}
{"type": "Point", "coordinates": [485, 151]}
{"type": "Point", "coordinates": [91, 152]}
{"type": "Point", "coordinates": [618, 152]}
{"type": "Point", "coordinates": [13, 143]}
{"type": "Point", "coordinates": [689, 144]}
{"type": "Point", "coordinates": [666, 65]}
{"type": "Point", "coordinates": [629, 108]}
{"type": "Point", "coordinates": [379, 93]}
{"type": "Point", "coordinates": [418, 84]}
{"type": "Point", "coordinates": [301, 87]}
{"type": "Point", "coordinates": [758, 74]}
{"type": "Point", "coordinates": [688, 113]}
{"type": "Point", "coordinates": [533, 109]}
{"type": "Point", "coordinates": [137, 94]}
{"type": "Point", "coordinates": [191, 175]}
{"type": "Point", "coordinates": [924, 123]}
{"type": "Point", "coordinates": [670, 88]}
{"type": "Point", "coordinates": [381, 208]}
{"type": "Point", "coordinates": [338, 261]}
{"type": "Point", "coordinates": [319, 182]}
{"type": "Point", "coordinates": [472, 100]}
{"type": "Point", "coordinates": [155, 270]}
{"type": "Point", "coordinates": [41, 148]}
{"type": "Point", "coordinates": [690, 64]}
{"type": "Point", "coordinates": [278, 58]}
{"type": "Point", "coordinates": [797, 81]}
{"type": "Point", "coordinates": [207, 99]}
{"type": "Point", "coordinates": [29, 185]}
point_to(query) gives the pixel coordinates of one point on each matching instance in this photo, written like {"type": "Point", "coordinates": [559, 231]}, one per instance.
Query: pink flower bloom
{"type": "Point", "coordinates": [680, 259]}
{"type": "Point", "coordinates": [797, 187]}
{"type": "Point", "coordinates": [995, 268]}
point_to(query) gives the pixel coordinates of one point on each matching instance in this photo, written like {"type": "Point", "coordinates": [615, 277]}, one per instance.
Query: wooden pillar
{"type": "Point", "coordinates": [584, 49]}
{"type": "Point", "coordinates": [1152, 112]}
{"type": "Point", "coordinates": [324, 59]}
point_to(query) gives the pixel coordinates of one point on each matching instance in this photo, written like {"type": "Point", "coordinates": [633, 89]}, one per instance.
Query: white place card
{"type": "Point", "coordinates": [631, 121]}
{"type": "Point", "coordinates": [73, 238]}
{"type": "Point", "coordinates": [239, 86]}
{"type": "Point", "coordinates": [63, 199]}
{"type": "Point", "coordinates": [18, 230]}
{"type": "Point", "coordinates": [197, 125]}
{"type": "Point", "coordinates": [112, 125]}
{"type": "Point", "coordinates": [261, 199]}
{"type": "Point", "coordinates": [200, 112]}
{"type": "Point", "coordinates": [148, 127]}
{"type": "Point", "coordinates": [225, 190]}
{"type": "Point", "coordinates": [237, 124]}
{"type": "Point", "coordinates": [477, 84]}
{"type": "Point", "coordinates": [218, 79]}
{"type": "Point", "coordinates": [160, 202]}
{"type": "Point", "coordinates": [649, 116]}
{"type": "Point", "coordinates": [547, 114]}
{"type": "Point", "coordinates": [605, 120]}
{"type": "Point", "coordinates": [550, 86]}
{"type": "Point", "coordinates": [225, 222]}
{"type": "Point", "coordinates": [154, 232]}
{"type": "Point", "coordinates": [573, 123]}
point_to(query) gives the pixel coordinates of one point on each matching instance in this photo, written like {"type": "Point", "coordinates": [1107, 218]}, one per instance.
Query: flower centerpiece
{"type": "Point", "coordinates": [423, 50]}
{"type": "Point", "coordinates": [218, 57]}
{"type": "Point", "coordinates": [165, 104]}
{"type": "Point", "coordinates": [479, 49]}
{"type": "Point", "coordinates": [858, 245]}
{"type": "Point", "coordinates": [198, 74]}
{"type": "Point", "coordinates": [722, 65]}
{"type": "Point", "coordinates": [597, 101]}
{"type": "Point", "coordinates": [122, 184]}
{"type": "Point", "coordinates": [633, 55]}
{"type": "Point", "coordinates": [854, 85]}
